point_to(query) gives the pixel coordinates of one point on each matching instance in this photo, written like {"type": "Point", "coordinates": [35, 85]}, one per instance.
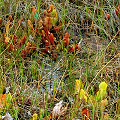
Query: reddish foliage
{"type": "Point", "coordinates": [51, 9]}
{"type": "Point", "coordinates": [58, 28]}
{"type": "Point", "coordinates": [22, 41]}
{"type": "Point", "coordinates": [24, 54]}
{"type": "Point", "coordinates": [118, 8]}
{"type": "Point", "coordinates": [20, 21]}
{"type": "Point", "coordinates": [1, 21]}
{"type": "Point", "coordinates": [67, 39]}
{"type": "Point", "coordinates": [46, 51]}
{"type": "Point", "coordinates": [11, 47]}
{"type": "Point", "coordinates": [3, 97]}
{"type": "Point", "coordinates": [11, 18]}
{"type": "Point", "coordinates": [34, 10]}
{"type": "Point", "coordinates": [30, 24]}
{"type": "Point", "coordinates": [3, 100]}
{"type": "Point", "coordinates": [15, 38]}
{"type": "Point", "coordinates": [86, 113]}
{"type": "Point", "coordinates": [28, 49]}
{"type": "Point", "coordinates": [49, 41]}
{"type": "Point", "coordinates": [108, 16]}
{"type": "Point", "coordinates": [77, 47]}
{"type": "Point", "coordinates": [54, 56]}
{"type": "Point", "coordinates": [7, 39]}
{"type": "Point", "coordinates": [47, 23]}
{"type": "Point", "coordinates": [51, 38]}
{"type": "Point", "coordinates": [47, 44]}
{"type": "Point", "coordinates": [117, 11]}
{"type": "Point", "coordinates": [72, 49]}
{"type": "Point", "coordinates": [43, 29]}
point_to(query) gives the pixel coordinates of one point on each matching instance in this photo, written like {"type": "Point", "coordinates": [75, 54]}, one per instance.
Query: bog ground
{"type": "Point", "coordinates": [59, 60]}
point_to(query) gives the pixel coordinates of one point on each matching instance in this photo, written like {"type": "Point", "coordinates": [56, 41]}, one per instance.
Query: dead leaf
{"type": "Point", "coordinates": [59, 110]}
